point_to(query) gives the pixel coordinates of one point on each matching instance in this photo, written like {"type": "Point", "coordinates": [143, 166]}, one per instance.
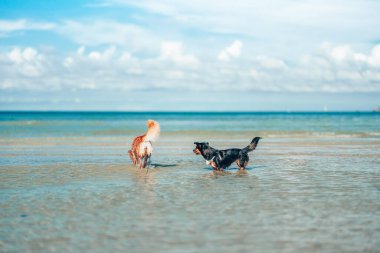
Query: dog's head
{"type": "Point", "coordinates": [199, 147]}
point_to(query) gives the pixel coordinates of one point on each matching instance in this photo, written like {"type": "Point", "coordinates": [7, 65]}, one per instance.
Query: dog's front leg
{"type": "Point", "coordinates": [213, 165]}
{"type": "Point", "coordinates": [147, 161]}
{"type": "Point", "coordinates": [144, 161]}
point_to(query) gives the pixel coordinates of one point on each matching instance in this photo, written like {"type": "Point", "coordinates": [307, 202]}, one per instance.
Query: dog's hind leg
{"type": "Point", "coordinates": [133, 156]}
{"type": "Point", "coordinates": [243, 161]}
{"type": "Point", "coordinates": [241, 165]}
{"type": "Point", "coordinates": [149, 160]}
{"type": "Point", "coordinates": [145, 157]}
{"type": "Point", "coordinates": [136, 156]}
{"type": "Point", "coordinates": [144, 161]}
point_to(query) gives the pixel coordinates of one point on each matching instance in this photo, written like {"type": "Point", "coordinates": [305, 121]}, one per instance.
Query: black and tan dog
{"type": "Point", "coordinates": [221, 159]}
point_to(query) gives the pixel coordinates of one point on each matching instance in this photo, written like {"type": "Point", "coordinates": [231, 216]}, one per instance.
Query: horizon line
{"type": "Point", "coordinates": [187, 111]}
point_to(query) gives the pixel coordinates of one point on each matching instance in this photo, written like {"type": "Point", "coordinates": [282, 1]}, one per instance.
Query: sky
{"type": "Point", "coordinates": [180, 55]}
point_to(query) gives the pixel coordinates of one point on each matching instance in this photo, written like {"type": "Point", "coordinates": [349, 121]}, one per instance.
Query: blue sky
{"type": "Point", "coordinates": [204, 55]}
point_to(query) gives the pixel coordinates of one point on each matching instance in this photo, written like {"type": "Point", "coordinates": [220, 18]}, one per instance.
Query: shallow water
{"type": "Point", "coordinates": [306, 189]}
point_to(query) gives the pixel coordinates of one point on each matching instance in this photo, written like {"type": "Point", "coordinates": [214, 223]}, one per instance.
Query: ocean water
{"type": "Point", "coordinates": [67, 184]}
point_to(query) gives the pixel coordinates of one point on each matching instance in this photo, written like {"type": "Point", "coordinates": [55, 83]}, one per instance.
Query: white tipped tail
{"type": "Point", "coordinates": [153, 131]}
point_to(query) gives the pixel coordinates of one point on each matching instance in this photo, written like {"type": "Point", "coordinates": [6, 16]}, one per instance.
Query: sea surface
{"type": "Point", "coordinates": [67, 184]}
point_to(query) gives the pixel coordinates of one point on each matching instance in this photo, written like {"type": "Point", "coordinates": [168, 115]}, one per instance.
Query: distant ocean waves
{"type": "Point", "coordinates": [228, 125]}
{"type": "Point", "coordinates": [191, 134]}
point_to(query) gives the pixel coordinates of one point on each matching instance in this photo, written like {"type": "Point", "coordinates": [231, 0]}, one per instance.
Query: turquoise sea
{"type": "Point", "coordinates": [67, 184]}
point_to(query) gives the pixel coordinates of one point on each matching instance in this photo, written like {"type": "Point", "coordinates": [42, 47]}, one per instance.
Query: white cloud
{"type": "Point", "coordinates": [341, 53]}
{"type": "Point", "coordinates": [254, 73]}
{"type": "Point", "coordinates": [277, 20]}
{"type": "Point", "coordinates": [197, 45]}
{"type": "Point", "coordinates": [21, 68]}
{"type": "Point", "coordinates": [106, 32]}
{"type": "Point", "coordinates": [125, 57]}
{"type": "Point", "coordinates": [115, 68]}
{"type": "Point", "coordinates": [27, 62]}
{"type": "Point", "coordinates": [172, 51]}
{"type": "Point", "coordinates": [374, 58]}
{"type": "Point", "coordinates": [68, 62]}
{"type": "Point", "coordinates": [344, 54]}
{"type": "Point", "coordinates": [270, 62]}
{"type": "Point", "coordinates": [9, 26]}
{"type": "Point", "coordinates": [102, 56]}
{"type": "Point", "coordinates": [232, 51]}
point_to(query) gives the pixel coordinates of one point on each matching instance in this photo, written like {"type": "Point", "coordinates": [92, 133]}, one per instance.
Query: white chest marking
{"type": "Point", "coordinates": [208, 162]}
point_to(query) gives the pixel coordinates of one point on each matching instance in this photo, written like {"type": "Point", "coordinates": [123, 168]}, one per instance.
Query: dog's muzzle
{"type": "Point", "coordinates": [197, 151]}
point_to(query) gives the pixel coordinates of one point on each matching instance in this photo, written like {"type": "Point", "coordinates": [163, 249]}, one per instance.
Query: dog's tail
{"type": "Point", "coordinates": [252, 145]}
{"type": "Point", "coordinates": [153, 131]}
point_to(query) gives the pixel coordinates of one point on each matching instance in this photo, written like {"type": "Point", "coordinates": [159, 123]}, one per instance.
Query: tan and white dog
{"type": "Point", "coordinates": [142, 148]}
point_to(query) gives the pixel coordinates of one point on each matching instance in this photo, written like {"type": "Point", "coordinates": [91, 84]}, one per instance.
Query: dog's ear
{"type": "Point", "coordinates": [196, 143]}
